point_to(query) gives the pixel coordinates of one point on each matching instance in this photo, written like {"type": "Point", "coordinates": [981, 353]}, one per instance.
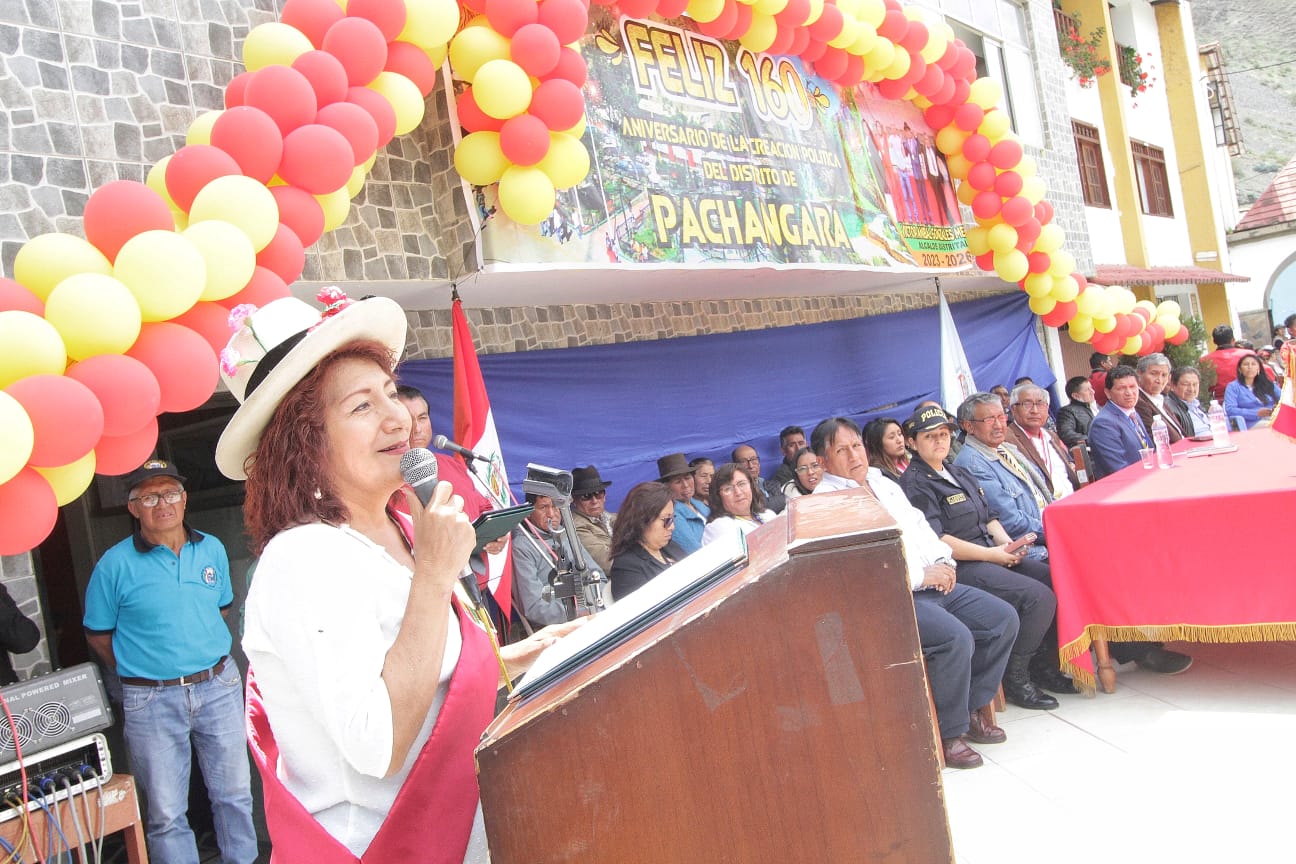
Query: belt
{"type": "Point", "coordinates": [196, 678]}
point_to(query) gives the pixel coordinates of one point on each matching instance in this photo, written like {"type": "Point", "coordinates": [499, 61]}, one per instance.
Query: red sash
{"type": "Point", "coordinates": [432, 816]}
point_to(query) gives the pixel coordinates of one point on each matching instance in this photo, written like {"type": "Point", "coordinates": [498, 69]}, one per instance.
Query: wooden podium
{"type": "Point", "coordinates": [780, 716]}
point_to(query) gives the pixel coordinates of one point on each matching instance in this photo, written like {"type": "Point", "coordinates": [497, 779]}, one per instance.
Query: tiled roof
{"type": "Point", "coordinates": [1277, 204]}
{"type": "Point", "coordinates": [1123, 274]}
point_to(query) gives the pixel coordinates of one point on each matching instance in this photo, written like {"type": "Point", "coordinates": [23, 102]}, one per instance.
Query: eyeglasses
{"type": "Point", "coordinates": [750, 460]}
{"type": "Point", "coordinates": [590, 496]}
{"type": "Point", "coordinates": [813, 466]}
{"type": "Point", "coordinates": [734, 488]}
{"type": "Point", "coordinates": [996, 419]}
{"type": "Point", "coordinates": [1032, 403]}
{"type": "Point", "coordinates": [667, 521]}
{"type": "Point", "coordinates": [152, 499]}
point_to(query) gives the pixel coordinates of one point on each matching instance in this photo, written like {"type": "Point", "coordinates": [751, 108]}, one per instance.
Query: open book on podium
{"type": "Point", "coordinates": [771, 707]}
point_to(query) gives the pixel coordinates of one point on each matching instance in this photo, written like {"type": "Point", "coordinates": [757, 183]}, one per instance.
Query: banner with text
{"type": "Point", "coordinates": [703, 152]}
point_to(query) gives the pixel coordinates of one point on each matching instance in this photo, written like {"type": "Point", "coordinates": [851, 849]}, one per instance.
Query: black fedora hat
{"type": "Point", "coordinates": [586, 480]}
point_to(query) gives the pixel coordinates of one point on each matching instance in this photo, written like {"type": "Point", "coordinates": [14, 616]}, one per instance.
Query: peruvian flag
{"type": "Point", "coordinates": [474, 427]}
{"type": "Point", "coordinates": [1284, 416]}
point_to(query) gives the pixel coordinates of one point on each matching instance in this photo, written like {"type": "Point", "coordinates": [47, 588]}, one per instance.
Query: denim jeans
{"type": "Point", "coordinates": [161, 724]}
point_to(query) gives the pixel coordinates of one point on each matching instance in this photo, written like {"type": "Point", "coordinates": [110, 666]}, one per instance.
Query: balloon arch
{"type": "Point", "coordinates": [100, 335]}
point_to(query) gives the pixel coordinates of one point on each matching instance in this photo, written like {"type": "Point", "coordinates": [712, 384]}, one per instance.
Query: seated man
{"type": "Point", "coordinates": [747, 458]}
{"type": "Point", "coordinates": [1015, 488]}
{"type": "Point", "coordinates": [1030, 410]}
{"type": "Point", "coordinates": [1182, 399]}
{"type": "Point", "coordinates": [1118, 433]}
{"type": "Point", "coordinates": [1153, 373]}
{"type": "Point", "coordinates": [690, 513]}
{"type": "Point", "coordinates": [589, 514]}
{"type": "Point", "coordinates": [966, 634]}
{"type": "Point", "coordinates": [450, 468]}
{"type": "Point", "coordinates": [791, 441]}
{"type": "Point", "coordinates": [1074, 417]}
{"type": "Point", "coordinates": [539, 551]}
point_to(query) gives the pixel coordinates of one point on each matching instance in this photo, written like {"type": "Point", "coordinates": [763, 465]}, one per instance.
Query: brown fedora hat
{"type": "Point", "coordinates": [674, 465]}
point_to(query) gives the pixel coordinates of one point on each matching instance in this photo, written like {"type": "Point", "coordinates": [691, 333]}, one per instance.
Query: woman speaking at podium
{"type": "Point", "coordinates": [371, 678]}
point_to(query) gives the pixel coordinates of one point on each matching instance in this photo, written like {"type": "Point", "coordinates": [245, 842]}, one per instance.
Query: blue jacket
{"type": "Point", "coordinates": [1009, 496]}
{"type": "Point", "coordinates": [1239, 401]}
{"type": "Point", "coordinates": [1113, 443]}
{"type": "Point", "coordinates": [689, 525]}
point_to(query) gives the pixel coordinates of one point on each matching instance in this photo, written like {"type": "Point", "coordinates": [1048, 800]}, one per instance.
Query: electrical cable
{"type": "Point", "coordinates": [99, 835]}
{"type": "Point", "coordinates": [96, 840]}
{"type": "Point", "coordinates": [52, 819]}
{"type": "Point", "coordinates": [76, 823]}
{"type": "Point", "coordinates": [17, 805]}
{"type": "Point", "coordinates": [22, 772]}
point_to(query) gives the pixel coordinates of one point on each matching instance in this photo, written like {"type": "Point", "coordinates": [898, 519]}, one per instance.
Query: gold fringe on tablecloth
{"type": "Point", "coordinates": [1084, 679]}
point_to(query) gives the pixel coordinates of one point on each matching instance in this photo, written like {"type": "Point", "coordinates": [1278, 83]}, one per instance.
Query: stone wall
{"type": "Point", "coordinates": [19, 578]}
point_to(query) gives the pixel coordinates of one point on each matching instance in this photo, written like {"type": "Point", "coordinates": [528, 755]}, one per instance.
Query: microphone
{"type": "Point", "coordinates": [419, 468]}
{"type": "Point", "coordinates": [443, 443]}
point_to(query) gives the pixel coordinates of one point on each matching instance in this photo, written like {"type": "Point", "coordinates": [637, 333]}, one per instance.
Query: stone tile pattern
{"type": "Point", "coordinates": [19, 578]}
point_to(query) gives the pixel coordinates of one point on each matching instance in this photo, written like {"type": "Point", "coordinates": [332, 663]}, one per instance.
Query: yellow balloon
{"type": "Point", "coordinates": [430, 24]}
{"type": "Point", "coordinates": [358, 176]}
{"type": "Point", "coordinates": [1081, 328]}
{"type": "Point", "coordinates": [1123, 299]}
{"type": "Point", "coordinates": [336, 206]}
{"type": "Point", "coordinates": [1104, 324]}
{"type": "Point", "coordinates": [977, 241]}
{"type": "Point", "coordinates": [29, 345]}
{"type": "Point", "coordinates": [995, 125]}
{"type": "Point", "coordinates": [1003, 238]}
{"type": "Point", "coordinates": [1034, 189]}
{"type": "Point", "coordinates": [501, 89]}
{"type": "Point", "coordinates": [567, 163]}
{"type": "Point", "coordinates": [576, 131]}
{"type": "Point", "coordinates": [1063, 264]}
{"type": "Point", "coordinates": [760, 35]}
{"type": "Point", "coordinates": [70, 480]}
{"type": "Point", "coordinates": [274, 44]}
{"type": "Point", "coordinates": [47, 259]}
{"type": "Point", "coordinates": [179, 218]}
{"type": "Point", "coordinates": [985, 92]}
{"type": "Point", "coordinates": [816, 10]}
{"type": "Point", "coordinates": [18, 435]}
{"type": "Point", "coordinates": [1065, 289]}
{"type": "Point", "coordinates": [437, 54]}
{"type": "Point", "coordinates": [405, 99]}
{"type": "Point", "coordinates": [94, 314]}
{"type": "Point", "coordinates": [479, 159]}
{"type": "Point", "coordinates": [950, 139]}
{"type": "Point", "coordinates": [1148, 306]}
{"type": "Point", "coordinates": [1012, 266]}
{"type": "Point", "coordinates": [958, 165]}
{"type": "Point", "coordinates": [871, 12]}
{"type": "Point", "coordinates": [935, 47]}
{"type": "Point", "coordinates": [166, 273]}
{"type": "Point", "coordinates": [526, 194]}
{"type": "Point", "coordinates": [240, 201]}
{"type": "Point", "coordinates": [899, 65]}
{"type": "Point", "coordinates": [966, 192]}
{"type": "Point", "coordinates": [1089, 301]}
{"type": "Point", "coordinates": [1026, 167]}
{"type": "Point", "coordinates": [1170, 325]}
{"type": "Point", "coordinates": [473, 47]}
{"type": "Point", "coordinates": [200, 129]}
{"type": "Point", "coordinates": [866, 39]}
{"type": "Point", "coordinates": [769, 7]}
{"type": "Point", "coordinates": [1050, 239]}
{"type": "Point", "coordinates": [1169, 308]}
{"type": "Point", "coordinates": [1042, 305]}
{"type": "Point", "coordinates": [228, 255]}
{"type": "Point", "coordinates": [1038, 285]}
{"type": "Point", "coordinates": [1133, 345]}
{"type": "Point", "coordinates": [156, 180]}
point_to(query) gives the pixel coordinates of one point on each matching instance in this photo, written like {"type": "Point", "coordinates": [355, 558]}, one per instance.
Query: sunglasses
{"type": "Point", "coordinates": [590, 496]}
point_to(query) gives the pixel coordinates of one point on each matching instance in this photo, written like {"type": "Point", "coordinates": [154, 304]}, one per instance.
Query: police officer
{"type": "Point", "coordinates": [987, 558]}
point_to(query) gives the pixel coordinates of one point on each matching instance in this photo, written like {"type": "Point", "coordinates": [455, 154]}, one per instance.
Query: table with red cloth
{"type": "Point", "coordinates": [1197, 552]}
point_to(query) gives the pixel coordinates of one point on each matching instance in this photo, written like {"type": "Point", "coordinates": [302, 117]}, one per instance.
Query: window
{"type": "Point", "coordinates": [1093, 175]}
{"type": "Point", "coordinates": [1153, 185]}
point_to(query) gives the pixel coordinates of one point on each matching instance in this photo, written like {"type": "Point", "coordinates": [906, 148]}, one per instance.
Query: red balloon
{"type": "Point", "coordinates": [782, 40]}
{"type": "Point", "coordinates": [65, 414]}
{"type": "Point", "coordinates": [894, 27]}
{"type": "Point", "coordinates": [1027, 233]}
{"type": "Point", "coordinates": [284, 255]}
{"type": "Point", "coordinates": [210, 321]}
{"type": "Point", "coordinates": [251, 137]}
{"type": "Point", "coordinates": [317, 158]}
{"type": "Point", "coordinates": [976, 147]}
{"type": "Point", "coordinates": [379, 108]}
{"type": "Point", "coordinates": [506, 16]}
{"type": "Point", "coordinates": [719, 27]}
{"type": "Point", "coordinates": [1015, 210]}
{"type": "Point", "coordinates": [535, 48]}
{"type": "Point", "coordinates": [355, 124]}
{"type": "Point", "coordinates": [183, 363]}
{"type": "Point", "coordinates": [1154, 330]}
{"type": "Point", "coordinates": [800, 41]}
{"type": "Point", "coordinates": [915, 38]}
{"type": "Point", "coordinates": [932, 81]}
{"type": "Point", "coordinates": [986, 261]}
{"type": "Point", "coordinates": [123, 454]}
{"type": "Point", "coordinates": [968, 116]}
{"type": "Point", "coordinates": [126, 389]}
{"type": "Point", "coordinates": [1060, 314]}
{"type": "Point", "coordinates": [191, 168]}
{"type": "Point", "coordinates": [1107, 343]}
{"type": "Point", "coordinates": [794, 14]}
{"type": "Point", "coordinates": [1145, 343]}
{"type": "Point", "coordinates": [524, 139]}
{"type": "Point", "coordinates": [558, 103]}
{"type": "Point", "coordinates": [742, 23]}
{"type": "Point", "coordinates": [1039, 262]}
{"type": "Point", "coordinates": [361, 48]}
{"type": "Point", "coordinates": [31, 509]}
{"type": "Point", "coordinates": [299, 210]}
{"type": "Point", "coordinates": [665, 9]}
{"type": "Point", "coordinates": [1143, 313]}
{"type": "Point", "coordinates": [326, 75]}
{"type": "Point", "coordinates": [413, 62]}
{"type": "Point", "coordinates": [945, 95]}
{"type": "Point", "coordinates": [571, 67]}
{"type": "Point", "coordinates": [264, 286]}
{"type": "Point", "coordinates": [312, 17]}
{"type": "Point", "coordinates": [814, 50]}
{"type": "Point", "coordinates": [1008, 184]}
{"type": "Point", "coordinates": [1006, 154]}
{"type": "Point", "coordinates": [986, 205]}
{"type": "Point", "coordinates": [828, 25]}
{"type": "Point", "coordinates": [940, 116]}
{"type": "Point", "coordinates": [15, 298]}
{"type": "Point", "coordinates": [1081, 282]}
{"type": "Point", "coordinates": [637, 8]}
{"type": "Point", "coordinates": [981, 176]}
{"type": "Point", "coordinates": [283, 93]}
{"type": "Point", "coordinates": [891, 88]}
{"type": "Point", "coordinates": [853, 73]}
{"type": "Point", "coordinates": [1180, 336]}
{"type": "Point", "coordinates": [117, 212]}
{"type": "Point", "coordinates": [831, 64]}
{"type": "Point", "coordinates": [236, 89]}
{"type": "Point", "coordinates": [472, 117]}
{"type": "Point", "coordinates": [387, 15]}
{"type": "Point", "coordinates": [961, 90]}
{"type": "Point", "coordinates": [568, 19]}
{"type": "Point", "coordinates": [949, 57]}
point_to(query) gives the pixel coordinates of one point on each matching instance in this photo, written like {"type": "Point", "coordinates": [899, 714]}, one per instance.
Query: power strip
{"type": "Point", "coordinates": [84, 763]}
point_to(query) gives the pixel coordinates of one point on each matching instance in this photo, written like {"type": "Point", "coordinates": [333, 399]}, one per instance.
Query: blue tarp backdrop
{"type": "Point", "coordinates": [622, 406]}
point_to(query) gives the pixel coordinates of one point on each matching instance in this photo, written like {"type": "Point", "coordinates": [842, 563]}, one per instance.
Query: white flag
{"type": "Point", "coordinates": [956, 382]}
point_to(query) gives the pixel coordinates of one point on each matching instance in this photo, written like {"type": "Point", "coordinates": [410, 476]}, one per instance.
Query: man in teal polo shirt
{"type": "Point", "coordinates": [155, 613]}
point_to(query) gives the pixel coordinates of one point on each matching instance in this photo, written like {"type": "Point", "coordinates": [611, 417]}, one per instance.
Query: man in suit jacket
{"type": "Point", "coordinates": [1030, 404]}
{"type": "Point", "coordinates": [1117, 433]}
{"type": "Point", "coordinates": [1182, 399]}
{"type": "Point", "coordinates": [1153, 373]}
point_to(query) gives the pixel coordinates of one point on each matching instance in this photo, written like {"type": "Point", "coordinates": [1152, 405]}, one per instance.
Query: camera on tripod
{"type": "Point", "coordinates": [572, 577]}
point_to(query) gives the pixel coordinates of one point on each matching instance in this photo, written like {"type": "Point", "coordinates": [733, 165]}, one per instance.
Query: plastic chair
{"type": "Point", "coordinates": [1238, 423]}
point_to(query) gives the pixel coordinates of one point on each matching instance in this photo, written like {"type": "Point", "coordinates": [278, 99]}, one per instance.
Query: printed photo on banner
{"type": "Point", "coordinates": [705, 153]}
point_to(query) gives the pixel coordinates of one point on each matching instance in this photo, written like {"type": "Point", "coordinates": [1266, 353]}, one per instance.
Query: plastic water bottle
{"type": "Point", "coordinates": [1218, 424]}
{"type": "Point", "coordinates": [1161, 438]}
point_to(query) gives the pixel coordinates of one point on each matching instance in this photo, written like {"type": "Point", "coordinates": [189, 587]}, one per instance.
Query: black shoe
{"type": "Point", "coordinates": [1054, 681]}
{"type": "Point", "coordinates": [1164, 661]}
{"type": "Point", "coordinates": [1018, 688]}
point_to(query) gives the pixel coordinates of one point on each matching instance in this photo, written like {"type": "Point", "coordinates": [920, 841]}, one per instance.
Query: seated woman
{"type": "Point", "coordinates": [641, 540]}
{"type": "Point", "coordinates": [885, 442]}
{"type": "Point", "coordinates": [360, 635]}
{"type": "Point", "coordinates": [951, 499]}
{"type": "Point", "coordinates": [1252, 396]}
{"type": "Point", "coordinates": [737, 504]}
{"type": "Point", "coordinates": [1073, 418]}
{"type": "Point", "coordinates": [807, 472]}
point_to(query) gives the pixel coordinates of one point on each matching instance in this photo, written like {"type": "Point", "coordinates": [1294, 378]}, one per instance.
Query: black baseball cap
{"type": "Point", "coordinates": [149, 470]}
{"type": "Point", "coordinates": [927, 419]}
